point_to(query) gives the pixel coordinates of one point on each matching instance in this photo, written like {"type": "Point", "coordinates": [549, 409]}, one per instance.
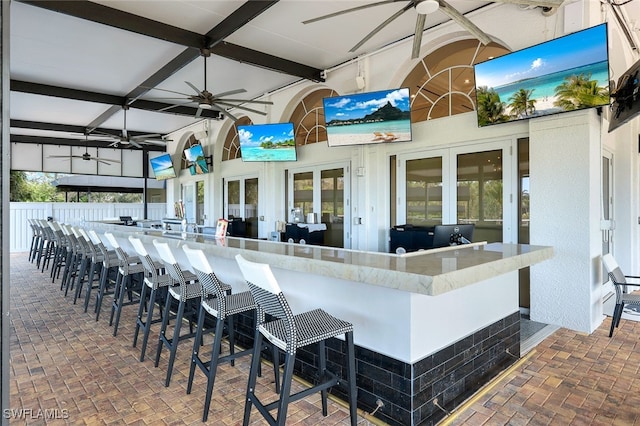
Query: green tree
{"type": "Point", "coordinates": [579, 91]}
{"type": "Point", "coordinates": [521, 103]}
{"type": "Point", "coordinates": [490, 108]}
{"type": "Point", "coordinates": [33, 187]}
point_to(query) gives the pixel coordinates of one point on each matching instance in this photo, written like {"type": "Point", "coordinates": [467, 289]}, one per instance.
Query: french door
{"type": "Point", "coordinates": [459, 185]}
{"type": "Point", "coordinates": [324, 192]}
{"type": "Point", "coordinates": [241, 200]}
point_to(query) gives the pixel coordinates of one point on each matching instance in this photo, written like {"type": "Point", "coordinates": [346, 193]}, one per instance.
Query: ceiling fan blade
{"type": "Point", "coordinates": [165, 90]}
{"type": "Point", "coordinates": [135, 143]}
{"type": "Point", "coordinates": [248, 101]}
{"type": "Point", "coordinates": [342, 12]}
{"type": "Point", "coordinates": [464, 22]}
{"type": "Point", "coordinates": [240, 107]}
{"type": "Point", "coordinates": [230, 92]}
{"type": "Point", "coordinates": [541, 3]}
{"type": "Point", "coordinates": [381, 26]}
{"type": "Point", "coordinates": [168, 107]}
{"type": "Point", "coordinates": [417, 38]}
{"type": "Point", "coordinates": [193, 87]}
{"type": "Point", "coordinates": [107, 161]}
{"type": "Point", "coordinates": [59, 156]}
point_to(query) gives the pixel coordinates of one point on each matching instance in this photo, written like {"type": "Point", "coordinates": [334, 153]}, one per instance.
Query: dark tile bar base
{"type": "Point", "coordinates": [408, 391]}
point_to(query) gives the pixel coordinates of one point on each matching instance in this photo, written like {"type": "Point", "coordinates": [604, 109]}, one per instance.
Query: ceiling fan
{"type": "Point", "coordinates": [87, 157]}
{"type": "Point", "coordinates": [138, 140]}
{"type": "Point", "coordinates": [207, 100]}
{"type": "Point", "coordinates": [425, 7]}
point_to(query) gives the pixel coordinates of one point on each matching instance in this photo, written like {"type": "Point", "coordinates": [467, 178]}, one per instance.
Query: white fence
{"type": "Point", "coordinates": [72, 213]}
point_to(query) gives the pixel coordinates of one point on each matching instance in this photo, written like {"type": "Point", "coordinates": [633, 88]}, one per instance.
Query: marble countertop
{"type": "Point", "coordinates": [429, 272]}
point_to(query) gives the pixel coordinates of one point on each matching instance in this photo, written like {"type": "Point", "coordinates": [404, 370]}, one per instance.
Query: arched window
{"type": "Point", "coordinates": [231, 149]}
{"type": "Point", "coordinates": [443, 83]}
{"type": "Point", "coordinates": [308, 118]}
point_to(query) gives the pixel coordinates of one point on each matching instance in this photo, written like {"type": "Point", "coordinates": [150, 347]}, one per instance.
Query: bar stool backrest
{"type": "Point", "coordinates": [270, 300]}
{"type": "Point", "coordinates": [97, 241]}
{"type": "Point", "coordinates": [208, 280]}
{"type": "Point", "coordinates": [171, 265]}
{"type": "Point", "coordinates": [145, 258]}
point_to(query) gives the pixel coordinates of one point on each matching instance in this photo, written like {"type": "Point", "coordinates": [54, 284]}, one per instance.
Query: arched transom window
{"type": "Point", "coordinates": [443, 84]}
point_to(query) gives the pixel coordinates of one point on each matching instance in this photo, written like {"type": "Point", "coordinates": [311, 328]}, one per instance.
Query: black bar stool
{"type": "Point", "coordinates": [187, 291]}
{"type": "Point", "coordinates": [224, 307]}
{"type": "Point", "coordinates": [157, 280]}
{"type": "Point", "coordinates": [291, 332]}
{"type": "Point", "coordinates": [129, 280]}
{"type": "Point", "coordinates": [108, 275]}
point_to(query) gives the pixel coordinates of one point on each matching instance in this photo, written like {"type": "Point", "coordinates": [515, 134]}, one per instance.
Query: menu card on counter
{"type": "Point", "coordinates": [221, 228]}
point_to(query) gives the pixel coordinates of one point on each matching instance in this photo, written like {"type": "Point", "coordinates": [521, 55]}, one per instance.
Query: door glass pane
{"type": "Point", "coordinates": [523, 218]}
{"type": "Point", "coordinates": [200, 202]}
{"type": "Point", "coordinates": [332, 204]}
{"type": "Point", "coordinates": [424, 191]}
{"type": "Point", "coordinates": [251, 207]}
{"type": "Point", "coordinates": [233, 199]}
{"type": "Point", "coordinates": [479, 199]}
{"type": "Point", "coordinates": [303, 192]}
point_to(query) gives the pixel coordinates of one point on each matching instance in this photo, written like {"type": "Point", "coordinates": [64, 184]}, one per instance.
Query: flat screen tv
{"type": "Point", "coordinates": [626, 97]}
{"type": "Point", "coordinates": [368, 118]}
{"type": "Point", "coordinates": [267, 142]}
{"type": "Point", "coordinates": [452, 235]}
{"type": "Point", "coordinates": [163, 167]}
{"type": "Point", "coordinates": [565, 74]}
{"type": "Point", "coordinates": [197, 162]}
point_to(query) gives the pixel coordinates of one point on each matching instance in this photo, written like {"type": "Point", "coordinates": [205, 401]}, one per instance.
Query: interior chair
{"type": "Point", "coordinates": [35, 238]}
{"type": "Point", "coordinates": [108, 273]}
{"type": "Point", "coordinates": [97, 258]}
{"type": "Point", "coordinates": [86, 263]}
{"type": "Point", "coordinates": [620, 283]}
{"type": "Point", "coordinates": [128, 281]}
{"type": "Point", "coordinates": [217, 301]}
{"type": "Point", "coordinates": [289, 333]}
{"type": "Point", "coordinates": [60, 252]}
{"type": "Point", "coordinates": [187, 292]}
{"type": "Point", "coordinates": [156, 280]}
{"type": "Point", "coordinates": [73, 261]}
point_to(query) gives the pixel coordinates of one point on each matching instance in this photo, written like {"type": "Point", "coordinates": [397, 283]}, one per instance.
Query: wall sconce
{"type": "Point", "coordinates": [209, 160]}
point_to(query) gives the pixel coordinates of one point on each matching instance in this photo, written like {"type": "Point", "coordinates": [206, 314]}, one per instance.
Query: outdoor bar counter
{"type": "Point", "coordinates": [428, 324]}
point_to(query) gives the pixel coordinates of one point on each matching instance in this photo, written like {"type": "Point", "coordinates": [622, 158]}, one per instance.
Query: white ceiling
{"type": "Point", "coordinates": [59, 50]}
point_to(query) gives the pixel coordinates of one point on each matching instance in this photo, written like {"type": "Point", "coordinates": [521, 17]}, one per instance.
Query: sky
{"type": "Point", "coordinates": [192, 153]}
{"type": "Point", "coordinates": [358, 105]}
{"type": "Point", "coordinates": [574, 50]}
{"type": "Point", "coordinates": [256, 134]}
{"type": "Point", "coordinates": [161, 162]}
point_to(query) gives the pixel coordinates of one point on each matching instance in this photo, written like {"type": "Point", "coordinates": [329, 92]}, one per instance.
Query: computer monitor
{"type": "Point", "coordinates": [452, 235]}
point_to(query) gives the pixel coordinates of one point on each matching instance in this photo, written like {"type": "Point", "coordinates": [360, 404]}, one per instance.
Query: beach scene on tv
{"type": "Point", "coordinates": [565, 74]}
{"type": "Point", "coordinates": [163, 167]}
{"type": "Point", "coordinates": [364, 118]}
{"type": "Point", "coordinates": [267, 142]}
{"type": "Point", "coordinates": [195, 156]}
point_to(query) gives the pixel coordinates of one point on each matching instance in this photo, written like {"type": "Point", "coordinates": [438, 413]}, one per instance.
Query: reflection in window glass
{"type": "Point", "coordinates": [479, 188]}
{"type": "Point", "coordinates": [332, 204]}
{"type": "Point", "coordinates": [251, 207]}
{"type": "Point", "coordinates": [233, 198]}
{"type": "Point", "coordinates": [424, 191]}
{"type": "Point", "coordinates": [303, 192]}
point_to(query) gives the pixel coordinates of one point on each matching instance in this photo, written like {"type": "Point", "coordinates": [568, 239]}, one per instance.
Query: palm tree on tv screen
{"type": "Point", "coordinates": [521, 103]}
{"type": "Point", "coordinates": [579, 91]}
{"type": "Point", "coordinates": [490, 108]}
